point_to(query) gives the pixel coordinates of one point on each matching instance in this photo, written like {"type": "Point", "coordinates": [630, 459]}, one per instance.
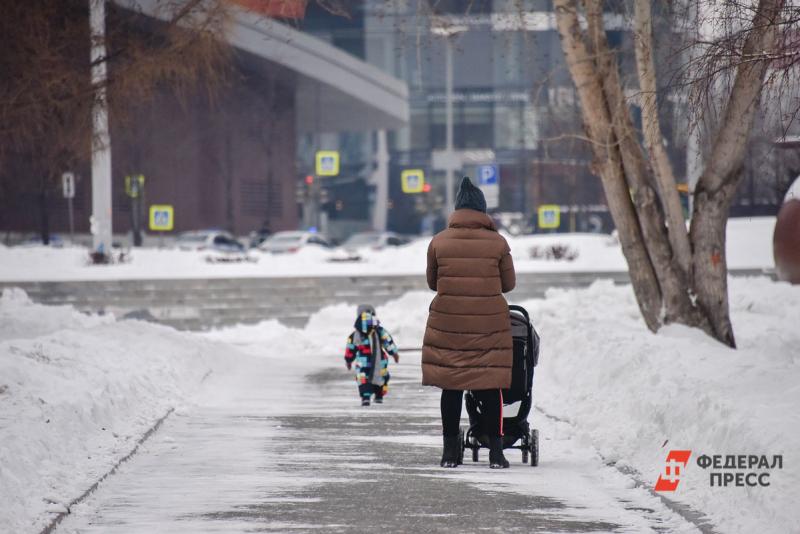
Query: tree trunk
{"type": "Point", "coordinates": [709, 263]}
{"type": "Point", "coordinates": [608, 161]}
{"type": "Point", "coordinates": [672, 280]}
{"type": "Point", "coordinates": [662, 168]}
{"type": "Point", "coordinates": [721, 177]}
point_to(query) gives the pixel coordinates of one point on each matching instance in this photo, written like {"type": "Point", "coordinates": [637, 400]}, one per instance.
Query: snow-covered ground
{"type": "Point", "coordinates": [76, 391]}
{"type": "Point", "coordinates": [749, 246]}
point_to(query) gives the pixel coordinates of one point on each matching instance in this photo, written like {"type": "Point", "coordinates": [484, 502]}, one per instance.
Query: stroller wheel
{"type": "Point", "coordinates": [461, 446]}
{"type": "Point", "coordinates": [534, 447]}
{"type": "Point", "coordinates": [524, 456]}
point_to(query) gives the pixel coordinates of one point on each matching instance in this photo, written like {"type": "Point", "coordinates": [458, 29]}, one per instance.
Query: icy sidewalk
{"type": "Point", "coordinates": [283, 447]}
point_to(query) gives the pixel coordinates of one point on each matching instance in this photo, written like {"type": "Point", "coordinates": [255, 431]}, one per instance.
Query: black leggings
{"type": "Point", "coordinates": [491, 404]}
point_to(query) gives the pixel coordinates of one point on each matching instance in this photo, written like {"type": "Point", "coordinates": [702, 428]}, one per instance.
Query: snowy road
{"type": "Point", "coordinates": [270, 446]}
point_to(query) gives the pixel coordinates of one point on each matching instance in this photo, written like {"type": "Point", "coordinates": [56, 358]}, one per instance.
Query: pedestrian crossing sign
{"type": "Point", "coordinates": [162, 217]}
{"type": "Point", "coordinates": [549, 216]}
{"type": "Point", "coordinates": [327, 163]}
{"type": "Point", "coordinates": [412, 180]}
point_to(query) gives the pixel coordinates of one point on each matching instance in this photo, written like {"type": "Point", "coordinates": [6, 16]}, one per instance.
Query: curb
{"type": "Point", "coordinates": [61, 515]}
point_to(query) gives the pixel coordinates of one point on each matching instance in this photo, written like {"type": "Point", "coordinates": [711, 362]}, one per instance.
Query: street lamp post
{"type": "Point", "coordinates": [449, 32]}
{"type": "Point", "coordinates": [448, 180]}
{"type": "Point", "coordinates": [101, 141]}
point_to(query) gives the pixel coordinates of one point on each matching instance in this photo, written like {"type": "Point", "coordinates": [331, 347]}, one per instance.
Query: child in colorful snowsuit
{"type": "Point", "coordinates": [369, 348]}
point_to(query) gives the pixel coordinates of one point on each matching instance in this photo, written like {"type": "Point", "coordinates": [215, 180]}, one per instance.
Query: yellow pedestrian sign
{"type": "Point", "coordinates": [412, 180]}
{"type": "Point", "coordinates": [162, 217]}
{"type": "Point", "coordinates": [327, 163]}
{"type": "Point", "coordinates": [549, 216]}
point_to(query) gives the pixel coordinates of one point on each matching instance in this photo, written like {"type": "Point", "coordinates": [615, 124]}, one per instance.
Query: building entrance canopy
{"type": "Point", "coordinates": [334, 91]}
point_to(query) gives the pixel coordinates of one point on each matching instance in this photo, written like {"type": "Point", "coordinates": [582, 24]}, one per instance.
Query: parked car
{"type": "Point", "coordinates": [515, 223]}
{"type": "Point", "coordinates": [205, 239]}
{"type": "Point", "coordinates": [374, 240]}
{"type": "Point", "coordinates": [353, 248]}
{"type": "Point", "coordinates": [225, 249]}
{"type": "Point", "coordinates": [289, 242]}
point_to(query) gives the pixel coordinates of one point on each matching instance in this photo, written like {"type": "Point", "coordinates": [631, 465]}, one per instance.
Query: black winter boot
{"type": "Point", "coordinates": [496, 458]}
{"type": "Point", "coordinates": [451, 451]}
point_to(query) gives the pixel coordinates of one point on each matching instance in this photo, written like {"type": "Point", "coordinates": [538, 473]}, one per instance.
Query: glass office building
{"type": "Point", "coordinates": [512, 99]}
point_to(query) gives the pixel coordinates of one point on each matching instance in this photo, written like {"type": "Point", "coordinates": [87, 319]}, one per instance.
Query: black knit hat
{"type": "Point", "coordinates": [470, 197]}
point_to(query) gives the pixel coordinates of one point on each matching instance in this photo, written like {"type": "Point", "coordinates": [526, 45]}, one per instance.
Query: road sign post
{"type": "Point", "coordinates": [412, 181]}
{"type": "Point", "coordinates": [134, 188]}
{"type": "Point", "coordinates": [162, 219]}
{"type": "Point", "coordinates": [327, 163]}
{"type": "Point", "coordinates": [489, 183]}
{"type": "Point", "coordinates": [68, 187]}
{"type": "Point", "coordinates": [549, 216]}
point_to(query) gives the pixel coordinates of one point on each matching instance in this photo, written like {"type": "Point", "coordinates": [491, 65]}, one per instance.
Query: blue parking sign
{"type": "Point", "coordinates": [487, 175]}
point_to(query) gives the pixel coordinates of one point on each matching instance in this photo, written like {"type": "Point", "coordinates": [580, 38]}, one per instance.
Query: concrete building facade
{"type": "Point", "coordinates": [228, 161]}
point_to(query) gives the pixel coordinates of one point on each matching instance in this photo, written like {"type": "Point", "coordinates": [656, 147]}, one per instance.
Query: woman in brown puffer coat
{"type": "Point", "coordinates": [467, 344]}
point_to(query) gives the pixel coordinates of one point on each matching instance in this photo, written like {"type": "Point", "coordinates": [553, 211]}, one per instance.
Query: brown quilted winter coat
{"type": "Point", "coordinates": [467, 342]}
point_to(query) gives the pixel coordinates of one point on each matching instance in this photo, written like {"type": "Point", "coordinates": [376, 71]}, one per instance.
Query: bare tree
{"type": "Point", "coordinates": [677, 276]}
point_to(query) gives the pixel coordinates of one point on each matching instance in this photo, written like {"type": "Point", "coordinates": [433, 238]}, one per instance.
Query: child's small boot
{"type": "Point", "coordinates": [380, 392]}
{"type": "Point", "coordinates": [364, 401]}
{"type": "Point", "coordinates": [496, 458]}
{"type": "Point", "coordinates": [451, 451]}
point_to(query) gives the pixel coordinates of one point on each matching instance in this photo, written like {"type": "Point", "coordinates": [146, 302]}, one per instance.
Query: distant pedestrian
{"type": "Point", "coordinates": [468, 344]}
{"type": "Point", "coordinates": [368, 350]}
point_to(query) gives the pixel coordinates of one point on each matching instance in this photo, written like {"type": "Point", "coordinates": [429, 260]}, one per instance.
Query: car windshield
{"type": "Point", "coordinates": [362, 240]}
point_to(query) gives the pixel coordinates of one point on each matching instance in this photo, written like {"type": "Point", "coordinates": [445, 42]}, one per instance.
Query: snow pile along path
{"type": "Point", "coordinates": [637, 395]}
{"type": "Point", "coordinates": [76, 392]}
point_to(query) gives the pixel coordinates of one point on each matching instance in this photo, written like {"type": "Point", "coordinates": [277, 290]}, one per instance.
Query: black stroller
{"type": "Point", "coordinates": [517, 432]}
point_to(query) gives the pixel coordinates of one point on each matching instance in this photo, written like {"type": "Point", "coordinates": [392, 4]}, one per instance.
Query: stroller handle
{"type": "Point", "coordinates": [514, 307]}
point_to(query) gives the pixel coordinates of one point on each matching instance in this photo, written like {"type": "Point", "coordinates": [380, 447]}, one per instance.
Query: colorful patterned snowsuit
{"type": "Point", "coordinates": [370, 343]}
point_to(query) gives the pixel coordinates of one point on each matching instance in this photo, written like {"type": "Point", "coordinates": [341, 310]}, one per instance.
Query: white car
{"type": "Point", "coordinates": [358, 244]}
{"type": "Point", "coordinates": [289, 242]}
{"type": "Point", "coordinates": [206, 240]}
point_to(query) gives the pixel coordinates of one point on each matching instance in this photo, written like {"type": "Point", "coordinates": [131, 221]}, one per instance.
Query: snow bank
{"type": "Point", "coordinates": [636, 395]}
{"type": "Point", "coordinates": [749, 246]}
{"type": "Point", "coordinates": [76, 392]}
